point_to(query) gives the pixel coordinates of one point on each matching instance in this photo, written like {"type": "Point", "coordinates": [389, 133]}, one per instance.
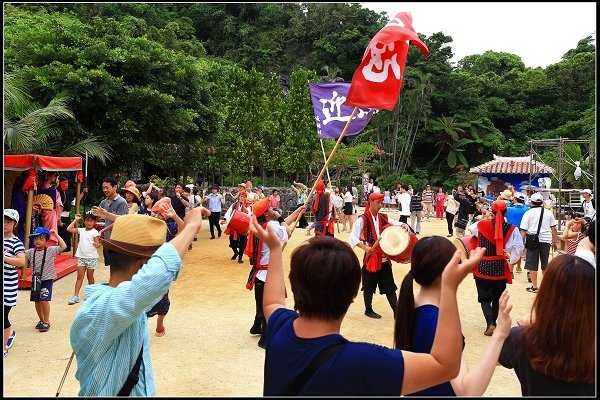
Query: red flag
{"type": "Point", "coordinates": [378, 79]}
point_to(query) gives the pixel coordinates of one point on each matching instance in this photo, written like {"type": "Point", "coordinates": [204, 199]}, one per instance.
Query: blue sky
{"type": "Point", "coordinates": [539, 33]}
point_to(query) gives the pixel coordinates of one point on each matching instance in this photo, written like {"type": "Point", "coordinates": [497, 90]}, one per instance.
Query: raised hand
{"type": "Point", "coordinates": [268, 236]}
{"type": "Point", "coordinates": [504, 319]}
{"type": "Point", "coordinates": [456, 271]}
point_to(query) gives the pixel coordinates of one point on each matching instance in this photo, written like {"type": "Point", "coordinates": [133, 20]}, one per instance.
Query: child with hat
{"type": "Point", "coordinates": [87, 253]}
{"type": "Point", "coordinates": [41, 260]}
{"type": "Point", "coordinates": [110, 329]}
{"type": "Point", "coordinates": [14, 257]}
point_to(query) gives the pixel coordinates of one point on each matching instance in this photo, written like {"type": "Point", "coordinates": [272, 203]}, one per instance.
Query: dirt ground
{"type": "Point", "coordinates": [207, 349]}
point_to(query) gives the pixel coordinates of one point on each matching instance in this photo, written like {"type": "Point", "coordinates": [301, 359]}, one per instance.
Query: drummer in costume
{"type": "Point", "coordinates": [323, 210]}
{"type": "Point", "coordinates": [377, 268]}
{"type": "Point", "coordinates": [260, 254]}
{"type": "Point", "coordinates": [237, 241]}
{"type": "Point", "coordinates": [503, 244]}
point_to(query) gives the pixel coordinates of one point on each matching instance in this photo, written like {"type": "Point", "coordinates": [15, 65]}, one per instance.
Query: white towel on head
{"type": "Point", "coordinates": [587, 255]}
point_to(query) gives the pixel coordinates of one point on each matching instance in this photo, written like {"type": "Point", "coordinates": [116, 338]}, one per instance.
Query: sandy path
{"type": "Point", "coordinates": [207, 350]}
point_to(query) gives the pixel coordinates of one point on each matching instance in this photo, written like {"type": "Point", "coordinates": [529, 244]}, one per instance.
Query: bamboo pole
{"type": "Point", "coordinates": [28, 213]}
{"type": "Point", "coordinates": [327, 162]}
{"type": "Point", "coordinates": [74, 237]}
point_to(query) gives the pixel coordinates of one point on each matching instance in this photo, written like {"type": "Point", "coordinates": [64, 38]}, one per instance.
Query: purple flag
{"type": "Point", "coordinates": [331, 114]}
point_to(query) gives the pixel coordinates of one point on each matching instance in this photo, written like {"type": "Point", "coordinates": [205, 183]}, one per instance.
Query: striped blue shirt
{"type": "Point", "coordinates": [111, 325]}
{"type": "Point", "coordinates": [12, 247]}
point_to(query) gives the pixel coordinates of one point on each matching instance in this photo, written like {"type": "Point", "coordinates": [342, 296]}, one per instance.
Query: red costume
{"type": "Point", "coordinates": [323, 211]}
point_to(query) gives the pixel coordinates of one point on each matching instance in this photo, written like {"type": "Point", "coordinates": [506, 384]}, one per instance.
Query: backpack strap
{"type": "Point", "coordinates": [133, 377]}
{"type": "Point", "coordinates": [301, 380]}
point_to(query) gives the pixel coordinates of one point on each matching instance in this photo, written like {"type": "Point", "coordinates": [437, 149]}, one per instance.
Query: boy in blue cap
{"type": "Point", "coordinates": [41, 259]}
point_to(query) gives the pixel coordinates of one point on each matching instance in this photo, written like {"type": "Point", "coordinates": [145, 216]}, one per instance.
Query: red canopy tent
{"type": "Point", "coordinates": [32, 163]}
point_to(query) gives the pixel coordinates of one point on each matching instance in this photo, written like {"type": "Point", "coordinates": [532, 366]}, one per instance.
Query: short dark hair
{"type": "Point", "coordinates": [111, 180]}
{"type": "Point", "coordinates": [119, 261]}
{"type": "Point", "coordinates": [90, 215]}
{"type": "Point", "coordinates": [325, 275]}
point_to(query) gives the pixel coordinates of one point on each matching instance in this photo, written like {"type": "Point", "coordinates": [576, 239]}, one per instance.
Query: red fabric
{"type": "Point", "coordinates": [486, 228]}
{"type": "Point", "coordinates": [31, 181]}
{"type": "Point", "coordinates": [377, 81]}
{"type": "Point", "coordinates": [22, 162]}
{"type": "Point", "coordinates": [373, 262]}
{"type": "Point", "coordinates": [79, 176]}
{"type": "Point", "coordinates": [498, 206]}
{"type": "Point", "coordinates": [260, 207]}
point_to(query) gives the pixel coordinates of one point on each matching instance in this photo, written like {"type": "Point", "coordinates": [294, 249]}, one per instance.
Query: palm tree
{"type": "Point", "coordinates": [29, 128]}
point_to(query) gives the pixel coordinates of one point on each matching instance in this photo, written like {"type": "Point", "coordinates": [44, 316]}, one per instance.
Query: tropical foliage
{"type": "Point", "coordinates": [219, 91]}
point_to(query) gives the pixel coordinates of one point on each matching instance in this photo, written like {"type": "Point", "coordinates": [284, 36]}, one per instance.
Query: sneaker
{"type": "Point", "coordinates": [45, 327]}
{"type": "Point", "coordinates": [10, 340]}
{"type": "Point", "coordinates": [5, 353]}
{"type": "Point", "coordinates": [490, 330]}
{"type": "Point", "coordinates": [532, 289]}
{"type": "Point", "coordinates": [372, 314]}
{"type": "Point", "coordinates": [74, 299]}
{"type": "Point", "coordinates": [39, 325]}
{"type": "Point", "coordinates": [449, 235]}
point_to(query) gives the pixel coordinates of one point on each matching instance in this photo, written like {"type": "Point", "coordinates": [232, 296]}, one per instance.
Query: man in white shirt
{"type": "Point", "coordinates": [589, 205]}
{"type": "Point", "coordinates": [548, 236]}
{"type": "Point", "coordinates": [376, 268]}
{"type": "Point", "coordinates": [403, 199]}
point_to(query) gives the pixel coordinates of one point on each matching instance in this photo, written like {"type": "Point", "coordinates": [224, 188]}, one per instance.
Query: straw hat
{"type": "Point", "coordinates": [506, 195]}
{"type": "Point", "coordinates": [136, 235]}
{"type": "Point", "coordinates": [133, 190]}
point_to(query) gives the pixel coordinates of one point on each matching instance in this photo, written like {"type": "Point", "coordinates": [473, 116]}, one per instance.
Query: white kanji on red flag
{"type": "Point", "coordinates": [377, 81]}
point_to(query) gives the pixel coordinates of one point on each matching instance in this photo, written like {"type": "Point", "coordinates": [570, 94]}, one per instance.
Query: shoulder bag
{"type": "Point", "coordinates": [532, 241]}
{"type": "Point", "coordinates": [301, 380]}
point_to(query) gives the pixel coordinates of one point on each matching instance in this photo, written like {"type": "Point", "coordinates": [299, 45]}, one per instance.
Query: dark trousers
{"type": "Point", "coordinates": [537, 256]}
{"type": "Point", "coordinates": [238, 245]}
{"type": "Point", "coordinates": [302, 222]}
{"type": "Point", "coordinates": [450, 221]}
{"type": "Point", "coordinates": [213, 221]}
{"type": "Point", "coordinates": [63, 233]}
{"type": "Point", "coordinates": [488, 295]}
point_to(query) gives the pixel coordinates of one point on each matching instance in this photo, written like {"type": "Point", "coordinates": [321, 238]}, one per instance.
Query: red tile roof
{"type": "Point", "coordinates": [512, 165]}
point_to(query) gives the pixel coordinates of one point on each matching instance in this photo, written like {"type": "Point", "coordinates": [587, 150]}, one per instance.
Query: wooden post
{"type": "Point", "coordinates": [74, 238]}
{"type": "Point", "coordinates": [28, 213]}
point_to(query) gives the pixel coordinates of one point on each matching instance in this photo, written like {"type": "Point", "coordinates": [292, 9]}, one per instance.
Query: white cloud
{"type": "Point", "coordinates": [539, 33]}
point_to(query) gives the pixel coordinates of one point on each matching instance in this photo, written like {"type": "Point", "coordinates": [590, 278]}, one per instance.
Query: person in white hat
{"type": "Point", "coordinates": [14, 257]}
{"type": "Point", "coordinates": [589, 205]}
{"type": "Point", "coordinates": [538, 219]}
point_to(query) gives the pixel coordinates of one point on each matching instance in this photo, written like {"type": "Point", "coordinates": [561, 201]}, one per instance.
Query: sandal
{"type": "Point", "coordinates": [45, 327]}
{"type": "Point", "coordinates": [160, 332]}
{"type": "Point", "coordinates": [532, 289]}
{"type": "Point", "coordinates": [39, 325]}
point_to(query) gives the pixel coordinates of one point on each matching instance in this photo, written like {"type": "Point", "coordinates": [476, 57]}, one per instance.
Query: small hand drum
{"type": "Point", "coordinates": [465, 244]}
{"type": "Point", "coordinates": [239, 222]}
{"type": "Point", "coordinates": [397, 244]}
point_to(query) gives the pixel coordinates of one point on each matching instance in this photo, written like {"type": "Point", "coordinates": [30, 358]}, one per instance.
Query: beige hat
{"type": "Point", "coordinates": [133, 190]}
{"type": "Point", "coordinates": [136, 235]}
{"type": "Point", "coordinates": [506, 195]}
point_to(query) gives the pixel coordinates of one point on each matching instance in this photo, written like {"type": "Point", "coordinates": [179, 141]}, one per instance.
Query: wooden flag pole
{"type": "Point", "coordinates": [328, 179]}
{"type": "Point", "coordinates": [327, 162]}
{"type": "Point", "coordinates": [325, 159]}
